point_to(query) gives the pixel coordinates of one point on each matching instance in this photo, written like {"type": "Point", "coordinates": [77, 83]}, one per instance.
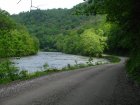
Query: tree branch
{"type": "Point", "coordinates": [18, 1]}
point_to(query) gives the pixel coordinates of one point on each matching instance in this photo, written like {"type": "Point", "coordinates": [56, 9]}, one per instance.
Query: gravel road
{"type": "Point", "coordinates": [101, 85]}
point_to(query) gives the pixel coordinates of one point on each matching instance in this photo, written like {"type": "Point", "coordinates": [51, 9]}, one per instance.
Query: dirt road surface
{"type": "Point", "coordinates": [100, 85]}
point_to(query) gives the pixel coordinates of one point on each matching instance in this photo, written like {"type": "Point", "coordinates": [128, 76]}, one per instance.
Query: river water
{"type": "Point", "coordinates": [53, 59]}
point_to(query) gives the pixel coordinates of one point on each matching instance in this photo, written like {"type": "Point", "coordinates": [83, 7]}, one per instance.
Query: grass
{"type": "Point", "coordinates": [26, 75]}
{"type": "Point", "coordinates": [112, 59]}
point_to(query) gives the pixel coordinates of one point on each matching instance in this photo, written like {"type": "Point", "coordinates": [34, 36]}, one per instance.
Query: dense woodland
{"type": "Point", "coordinates": [44, 24]}
{"type": "Point", "coordinates": [125, 33]}
{"type": "Point", "coordinates": [61, 30]}
{"type": "Point", "coordinates": [90, 28]}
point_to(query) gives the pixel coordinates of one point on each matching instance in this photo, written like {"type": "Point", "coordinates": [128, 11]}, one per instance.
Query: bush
{"type": "Point", "coordinates": [113, 59]}
{"type": "Point", "coordinates": [133, 67]}
{"type": "Point", "coordinates": [8, 72]}
{"type": "Point", "coordinates": [23, 74]}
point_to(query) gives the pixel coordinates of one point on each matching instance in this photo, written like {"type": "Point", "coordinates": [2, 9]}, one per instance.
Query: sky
{"type": "Point", "coordinates": [13, 8]}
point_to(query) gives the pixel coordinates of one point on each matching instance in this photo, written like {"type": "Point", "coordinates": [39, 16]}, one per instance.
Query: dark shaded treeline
{"type": "Point", "coordinates": [125, 33]}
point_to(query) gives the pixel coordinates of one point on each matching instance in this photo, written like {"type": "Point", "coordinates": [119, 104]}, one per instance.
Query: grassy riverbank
{"type": "Point", "coordinates": [9, 73]}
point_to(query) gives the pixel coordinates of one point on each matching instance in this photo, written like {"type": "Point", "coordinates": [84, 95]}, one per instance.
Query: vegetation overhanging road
{"type": "Point", "coordinates": [100, 85]}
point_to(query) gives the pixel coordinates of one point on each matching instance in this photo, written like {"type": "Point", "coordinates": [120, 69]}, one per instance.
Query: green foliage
{"type": "Point", "coordinates": [6, 22]}
{"type": "Point", "coordinates": [117, 42]}
{"type": "Point", "coordinates": [133, 66]}
{"type": "Point", "coordinates": [112, 59]}
{"type": "Point", "coordinates": [69, 43]}
{"type": "Point", "coordinates": [84, 9]}
{"type": "Point", "coordinates": [90, 42]}
{"type": "Point", "coordinates": [93, 43]}
{"type": "Point", "coordinates": [46, 23]}
{"type": "Point", "coordinates": [17, 43]}
{"type": "Point", "coordinates": [8, 72]}
{"type": "Point", "coordinates": [23, 74]}
{"type": "Point", "coordinates": [73, 34]}
{"type": "Point", "coordinates": [46, 66]}
{"type": "Point", "coordinates": [126, 36]}
{"type": "Point", "coordinates": [14, 38]}
{"type": "Point", "coordinates": [14, 41]}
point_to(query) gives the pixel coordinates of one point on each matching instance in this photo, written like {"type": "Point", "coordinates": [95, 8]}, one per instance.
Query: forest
{"type": "Point", "coordinates": [90, 28]}
{"type": "Point", "coordinates": [62, 30]}
{"type": "Point", "coordinates": [44, 24]}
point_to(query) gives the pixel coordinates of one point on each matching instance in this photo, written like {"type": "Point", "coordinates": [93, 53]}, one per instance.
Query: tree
{"type": "Point", "coordinates": [93, 44]}
{"type": "Point", "coordinates": [14, 41]}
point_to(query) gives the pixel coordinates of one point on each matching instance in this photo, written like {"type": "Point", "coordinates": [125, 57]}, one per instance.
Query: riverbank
{"type": "Point", "coordinates": [56, 60]}
{"type": "Point", "coordinates": [25, 75]}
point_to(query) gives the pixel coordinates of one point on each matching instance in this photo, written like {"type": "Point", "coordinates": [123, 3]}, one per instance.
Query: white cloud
{"type": "Point", "coordinates": [12, 7]}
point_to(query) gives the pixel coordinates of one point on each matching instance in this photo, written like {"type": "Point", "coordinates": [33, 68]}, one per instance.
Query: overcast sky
{"type": "Point", "coordinates": [13, 8]}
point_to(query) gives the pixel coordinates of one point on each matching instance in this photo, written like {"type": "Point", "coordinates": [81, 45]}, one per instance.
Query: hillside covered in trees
{"type": "Point", "coordinates": [61, 30]}
{"type": "Point", "coordinates": [45, 23]}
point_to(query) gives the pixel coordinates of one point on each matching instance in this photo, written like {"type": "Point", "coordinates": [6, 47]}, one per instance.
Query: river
{"type": "Point", "coordinates": [53, 59]}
